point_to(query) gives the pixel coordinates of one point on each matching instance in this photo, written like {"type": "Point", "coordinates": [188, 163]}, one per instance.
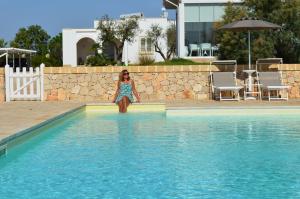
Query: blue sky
{"type": "Point", "coordinates": [54, 15]}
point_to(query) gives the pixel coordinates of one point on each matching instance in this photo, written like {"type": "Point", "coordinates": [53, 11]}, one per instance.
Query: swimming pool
{"type": "Point", "coordinates": [151, 155]}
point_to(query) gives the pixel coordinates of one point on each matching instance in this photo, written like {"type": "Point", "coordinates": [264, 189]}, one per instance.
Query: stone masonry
{"type": "Point", "coordinates": [86, 84]}
{"type": "Point", "coordinates": [154, 83]}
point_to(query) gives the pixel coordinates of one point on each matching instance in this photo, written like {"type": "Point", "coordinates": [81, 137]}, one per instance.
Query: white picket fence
{"type": "Point", "coordinates": [24, 85]}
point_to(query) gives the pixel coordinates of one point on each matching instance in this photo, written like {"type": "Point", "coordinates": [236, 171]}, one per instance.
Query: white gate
{"type": "Point", "coordinates": [24, 85]}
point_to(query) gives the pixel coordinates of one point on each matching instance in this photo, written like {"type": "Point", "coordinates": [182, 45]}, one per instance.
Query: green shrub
{"type": "Point", "coordinates": [179, 61]}
{"type": "Point", "coordinates": [39, 59]}
{"type": "Point", "coordinates": [146, 60]}
{"type": "Point", "coordinates": [99, 60]}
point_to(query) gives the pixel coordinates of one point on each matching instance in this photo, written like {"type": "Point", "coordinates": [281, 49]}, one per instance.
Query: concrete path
{"type": "Point", "coordinates": [18, 116]}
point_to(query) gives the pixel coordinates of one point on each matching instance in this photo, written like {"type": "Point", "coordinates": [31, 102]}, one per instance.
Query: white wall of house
{"type": "Point", "coordinates": [71, 37]}
{"type": "Point", "coordinates": [181, 51]}
{"type": "Point", "coordinates": [145, 24]}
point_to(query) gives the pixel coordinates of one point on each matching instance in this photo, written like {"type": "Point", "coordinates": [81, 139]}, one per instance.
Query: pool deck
{"type": "Point", "coordinates": [18, 116]}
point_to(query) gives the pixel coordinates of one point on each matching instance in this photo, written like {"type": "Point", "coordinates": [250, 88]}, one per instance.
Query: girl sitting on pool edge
{"type": "Point", "coordinates": [123, 96]}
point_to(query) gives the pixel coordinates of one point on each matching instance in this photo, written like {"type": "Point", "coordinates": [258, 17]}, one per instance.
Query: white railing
{"type": "Point", "coordinates": [24, 85]}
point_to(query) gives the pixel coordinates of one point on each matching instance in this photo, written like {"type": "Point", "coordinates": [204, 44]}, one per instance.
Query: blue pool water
{"type": "Point", "coordinates": [90, 155]}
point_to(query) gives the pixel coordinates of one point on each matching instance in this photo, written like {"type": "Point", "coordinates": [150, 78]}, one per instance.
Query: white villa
{"type": "Point", "coordinates": [195, 25]}
{"type": "Point", "coordinates": [78, 43]}
{"type": "Point", "coordinates": [195, 20]}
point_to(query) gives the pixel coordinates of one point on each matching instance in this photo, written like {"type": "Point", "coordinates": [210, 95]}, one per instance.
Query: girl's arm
{"type": "Point", "coordinates": [117, 93]}
{"type": "Point", "coordinates": [135, 92]}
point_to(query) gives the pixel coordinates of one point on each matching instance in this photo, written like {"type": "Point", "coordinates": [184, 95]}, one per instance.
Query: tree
{"type": "Point", "coordinates": [33, 38]}
{"type": "Point", "coordinates": [2, 43]}
{"type": "Point", "coordinates": [116, 32]}
{"type": "Point", "coordinates": [55, 50]}
{"type": "Point", "coordinates": [287, 40]}
{"type": "Point", "coordinates": [158, 36]}
{"type": "Point", "coordinates": [233, 45]}
{"type": "Point", "coordinates": [287, 14]}
{"type": "Point", "coordinates": [172, 39]}
{"type": "Point", "coordinates": [284, 43]}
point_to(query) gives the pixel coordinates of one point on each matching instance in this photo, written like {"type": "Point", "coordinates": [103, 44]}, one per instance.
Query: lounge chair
{"type": "Point", "coordinates": [224, 81]}
{"type": "Point", "coordinates": [272, 81]}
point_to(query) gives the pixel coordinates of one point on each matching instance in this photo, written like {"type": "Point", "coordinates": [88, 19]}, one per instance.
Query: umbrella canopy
{"type": "Point", "coordinates": [249, 25]}
{"type": "Point", "coordinates": [244, 25]}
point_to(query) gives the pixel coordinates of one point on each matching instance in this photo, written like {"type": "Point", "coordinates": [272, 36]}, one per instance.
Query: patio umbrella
{"type": "Point", "coordinates": [249, 25]}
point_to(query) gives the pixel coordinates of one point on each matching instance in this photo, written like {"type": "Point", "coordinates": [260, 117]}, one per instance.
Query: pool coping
{"type": "Point", "coordinates": [136, 104]}
{"type": "Point", "coordinates": [19, 134]}
{"type": "Point", "coordinates": [195, 110]}
{"type": "Point", "coordinates": [6, 140]}
{"type": "Point", "coordinates": [231, 107]}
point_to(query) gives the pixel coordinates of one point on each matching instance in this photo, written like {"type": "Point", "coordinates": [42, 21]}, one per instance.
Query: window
{"type": "Point", "coordinates": [199, 22]}
{"type": "Point", "coordinates": [205, 12]}
{"type": "Point", "coordinates": [219, 12]}
{"type": "Point", "coordinates": [198, 32]}
{"type": "Point", "coordinates": [192, 13]}
{"type": "Point", "coordinates": [146, 45]}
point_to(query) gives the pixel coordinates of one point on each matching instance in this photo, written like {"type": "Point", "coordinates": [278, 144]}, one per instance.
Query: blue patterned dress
{"type": "Point", "coordinates": [125, 91]}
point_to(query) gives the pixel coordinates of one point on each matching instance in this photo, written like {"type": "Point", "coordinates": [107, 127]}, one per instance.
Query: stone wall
{"type": "Point", "coordinates": [154, 83]}
{"type": "Point", "coordinates": [292, 78]}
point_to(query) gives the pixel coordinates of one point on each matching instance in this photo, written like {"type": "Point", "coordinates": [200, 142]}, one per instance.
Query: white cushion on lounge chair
{"type": "Point", "coordinates": [229, 88]}
{"type": "Point", "coordinates": [276, 87]}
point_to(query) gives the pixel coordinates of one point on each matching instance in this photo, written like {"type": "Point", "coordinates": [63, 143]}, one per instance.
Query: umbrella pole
{"type": "Point", "coordinates": [249, 48]}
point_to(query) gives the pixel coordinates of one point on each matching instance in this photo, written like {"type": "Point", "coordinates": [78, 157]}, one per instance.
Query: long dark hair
{"type": "Point", "coordinates": [121, 75]}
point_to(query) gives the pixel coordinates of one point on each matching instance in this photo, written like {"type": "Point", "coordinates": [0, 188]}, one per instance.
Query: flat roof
{"type": "Point", "coordinates": [16, 50]}
{"type": "Point", "coordinates": [171, 4]}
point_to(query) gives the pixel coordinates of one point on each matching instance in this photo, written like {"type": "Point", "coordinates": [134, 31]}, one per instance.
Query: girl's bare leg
{"type": "Point", "coordinates": [120, 104]}
{"type": "Point", "coordinates": [123, 105]}
{"type": "Point", "coordinates": [126, 103]}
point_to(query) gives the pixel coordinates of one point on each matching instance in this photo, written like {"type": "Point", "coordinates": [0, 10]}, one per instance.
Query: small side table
{"type": "Point", "coordinates": [250, 92]}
